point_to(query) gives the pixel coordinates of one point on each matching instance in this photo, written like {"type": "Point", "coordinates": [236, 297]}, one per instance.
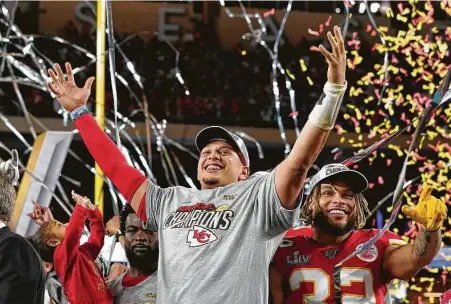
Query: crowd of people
{"type": "Point", "coordinates": [225, 243]}
{"type": "Point", "coordinates": [230, 86]}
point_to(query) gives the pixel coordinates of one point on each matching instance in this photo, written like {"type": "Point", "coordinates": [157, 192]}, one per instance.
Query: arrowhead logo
{"type": "Point", "coordinates": [200, 236]}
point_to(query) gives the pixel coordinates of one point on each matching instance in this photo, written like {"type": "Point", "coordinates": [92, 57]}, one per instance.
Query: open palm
{"type": "Point", "coordinates": [68, 94]}
{"type": "Point", "coordinates": [337, 59]}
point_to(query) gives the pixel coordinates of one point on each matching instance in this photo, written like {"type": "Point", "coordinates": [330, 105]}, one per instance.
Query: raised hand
{"type": "Point", "coordinates": [430, 212]}
{"type": "Point", "coordinates": [11, 168]}
{"type": "Point", "coordinates": [84, 201]}
{"type": "Point", "coordinates": [68, 94]}
{"type": "Point", "coordinates": [336, 59]}
{"type": "Point", "coordinates": [40, 215]}
{"type": "Point", "coordinates": [113, 225]}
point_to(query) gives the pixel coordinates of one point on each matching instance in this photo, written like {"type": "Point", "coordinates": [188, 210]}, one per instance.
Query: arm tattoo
{"type": "Point", "coordinates": [421, 242]}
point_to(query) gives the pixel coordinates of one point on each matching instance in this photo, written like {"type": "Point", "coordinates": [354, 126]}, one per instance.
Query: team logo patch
{"type": "Point", "coordinates": [331, 253]}
{"type": "Point", "coordinates": [200, 236]}
{"type": "Point", "coordinates": [369, 254]}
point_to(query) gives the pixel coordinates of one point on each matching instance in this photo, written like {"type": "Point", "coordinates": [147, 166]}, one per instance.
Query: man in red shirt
{"type": "Point", "coordinates": [59, 244]}
{"type": "Point", "coordinates": [302, 268]}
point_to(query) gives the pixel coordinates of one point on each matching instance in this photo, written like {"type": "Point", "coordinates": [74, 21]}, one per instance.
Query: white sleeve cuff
{"type": "Point", "coordinates": [326, 109]}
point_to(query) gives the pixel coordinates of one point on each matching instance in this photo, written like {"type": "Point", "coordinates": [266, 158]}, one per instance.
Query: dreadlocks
{"type": "Point", "coordinates": [307, 212]}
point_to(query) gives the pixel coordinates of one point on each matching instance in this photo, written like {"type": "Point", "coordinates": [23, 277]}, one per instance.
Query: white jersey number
{"type": "Point", "coordinates": [321, 284]}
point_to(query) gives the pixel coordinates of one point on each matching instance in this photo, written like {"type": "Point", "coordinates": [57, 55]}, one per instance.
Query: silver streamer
{"type": "Point", "coordinates": [112, 65]}
{"type": "Point", "coordinates": [257, 36]}
{"type": "Point", "coordinates": [381, 37]}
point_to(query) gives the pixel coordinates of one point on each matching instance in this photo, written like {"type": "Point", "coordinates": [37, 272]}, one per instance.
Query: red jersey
{"type": "Point", "coordinates": [307, 268]}
{"type": "Point", "coordinates": [74, 264]}
{"type": "Point", "coordinates": [446, 297]}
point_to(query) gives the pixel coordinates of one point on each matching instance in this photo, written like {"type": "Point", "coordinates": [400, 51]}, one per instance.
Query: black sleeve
{"type": "Point", "coordinates": [21, 272]}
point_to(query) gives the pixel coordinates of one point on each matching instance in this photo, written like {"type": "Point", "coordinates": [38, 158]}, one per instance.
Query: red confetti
{"type": "Point", "coordinates": [294, 114]}
{"type": "Point", "coordinates": [370, 185]}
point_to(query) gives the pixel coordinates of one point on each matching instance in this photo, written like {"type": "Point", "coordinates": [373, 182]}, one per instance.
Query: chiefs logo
{"type": "Point", "coordinates": [200, 236]}
{"type": "Point", "coordinates": [369, 254]}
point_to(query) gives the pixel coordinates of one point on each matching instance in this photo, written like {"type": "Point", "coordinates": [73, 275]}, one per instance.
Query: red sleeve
{"type": "Point", "coordinates": [68, 249]}
{"type": "Point", "coordinates": [390, 238]}
{"type": "Point", "coordinates": [126, 178]}
{"type": "Point", "coordinates": [96, 238]}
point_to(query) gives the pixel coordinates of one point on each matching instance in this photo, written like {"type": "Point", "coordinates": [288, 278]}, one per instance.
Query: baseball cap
{"type": "Point", "coordinates": [209, 134]}
{"type": "Point", "coordinates": [356, 180]}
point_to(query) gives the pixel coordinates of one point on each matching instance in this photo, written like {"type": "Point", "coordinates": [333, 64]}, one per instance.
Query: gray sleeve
{"type": "Point", "coordinates": [154, 198]}
{"type": "Point", "coordinates": [272, 216]}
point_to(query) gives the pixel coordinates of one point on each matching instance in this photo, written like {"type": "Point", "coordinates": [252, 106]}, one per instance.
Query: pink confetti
{"type": "Point", "coordinates": [380, 180]}
{"type": "Point", "coordinates": [337, 155]}
{"type": "Point", "coordinates": [269, 13]}
{"type": "Point", "coordinates": [293, 114]}
{"type": "Point", "coordinates": [312, 32]}
{"type": "Point", "coordinates": [388, 162]}
{"type": "Point", "coordinates": [348, 3]}
{"type": "Point", "coordinates": [327, 23]}
{"type": "Point", "coordinates": [371, 185]}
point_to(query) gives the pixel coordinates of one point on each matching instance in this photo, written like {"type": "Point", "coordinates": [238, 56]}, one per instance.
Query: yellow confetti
{"type": "Point", "coordinates": [310, 81]}
{"type": "Point", "coordinates": [389, 13]}
{"type": "Point", "coordinates": [303, 66]}
{"type": "Point", "coordinates": [290, 75]}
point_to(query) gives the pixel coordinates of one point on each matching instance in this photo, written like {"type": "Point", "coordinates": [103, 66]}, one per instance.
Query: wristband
{"type": "Point", "coordinates": [119, 233]}
{"type": "Point", "coordinates": [78, 112]}
{"type": "Point", "coordinates": [326, 109]}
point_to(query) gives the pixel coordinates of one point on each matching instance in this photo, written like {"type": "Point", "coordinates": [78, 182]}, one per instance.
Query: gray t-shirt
{"type": "Point", "coordinates": [142, 293]}
{"type": "Point", "coordinates": [216, 245]}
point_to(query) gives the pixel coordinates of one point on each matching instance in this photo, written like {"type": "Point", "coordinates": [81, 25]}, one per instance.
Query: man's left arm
{"type": "Point", "coordinates": [403, 262]}
{"type": "Point", "coordinates": [97, 234]}
{"type": "Point", "coordinates": [291, 173]}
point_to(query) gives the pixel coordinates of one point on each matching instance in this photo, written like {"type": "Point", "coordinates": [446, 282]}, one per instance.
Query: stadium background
{"type": "Point", "coordinates": [229, 83]}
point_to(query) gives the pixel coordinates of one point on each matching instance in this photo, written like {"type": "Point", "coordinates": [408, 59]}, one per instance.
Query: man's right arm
{"type": "Point", "coordinates": [131, 183]}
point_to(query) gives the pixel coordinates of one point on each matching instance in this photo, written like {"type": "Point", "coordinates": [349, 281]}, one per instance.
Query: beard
{"type": "Point", "coordinates": [321, 222]}
{"type": "Point", "coordinates": [211, 181]}
{"type": "Point", "coordinates": [146, 262]}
